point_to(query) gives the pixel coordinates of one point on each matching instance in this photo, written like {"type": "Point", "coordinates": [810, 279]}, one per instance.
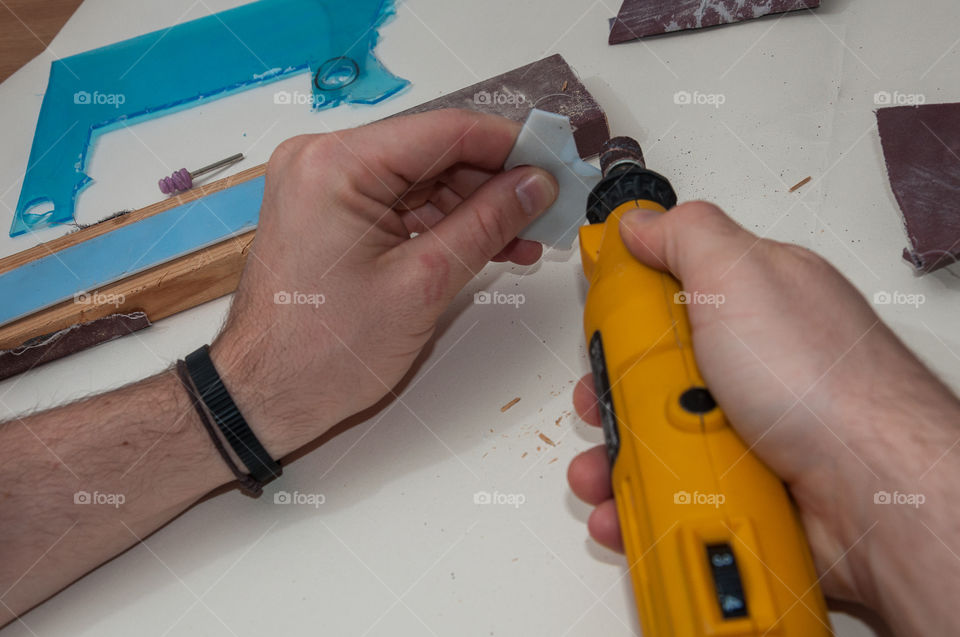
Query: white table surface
{"type": "Point", "coordinates": [399, 547]}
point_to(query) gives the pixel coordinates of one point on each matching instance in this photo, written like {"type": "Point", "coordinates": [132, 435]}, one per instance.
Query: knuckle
{"type": "Point", "coordinates": [317, 151]}
{"type": "Point", "coordinates": [286, 150]}
{"type": "Point", "coordinates": [491, 231]}
{"type": "Point", "coordinates": [697, 213]}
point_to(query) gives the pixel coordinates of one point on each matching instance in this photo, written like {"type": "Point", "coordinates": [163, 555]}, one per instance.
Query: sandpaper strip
{"type": "Point", "coordinates": [640, 18]}
{"type": "Point", "coordinates": [75, 338]}
{"type": "Point", "coordinates": [548, 85]}
{"type": "Point", "coordinates": [921, 146]}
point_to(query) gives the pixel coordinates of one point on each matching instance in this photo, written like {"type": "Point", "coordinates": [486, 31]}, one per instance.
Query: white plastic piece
{"type": "Point", "coordinates": [546, 141]}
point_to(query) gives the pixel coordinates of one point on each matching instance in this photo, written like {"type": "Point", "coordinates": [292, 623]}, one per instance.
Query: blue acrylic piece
{"type": "Point", "coordinates": [160, 72]}
{"type": "Point", "coordinates": [130, 249]}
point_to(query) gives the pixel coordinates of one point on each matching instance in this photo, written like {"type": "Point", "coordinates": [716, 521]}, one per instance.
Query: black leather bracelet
{"type": "Point", "coordinates": [229, 420]}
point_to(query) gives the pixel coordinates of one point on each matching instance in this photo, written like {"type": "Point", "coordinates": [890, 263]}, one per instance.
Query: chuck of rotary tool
{"type": "Point", "coordinates": [626, 178]}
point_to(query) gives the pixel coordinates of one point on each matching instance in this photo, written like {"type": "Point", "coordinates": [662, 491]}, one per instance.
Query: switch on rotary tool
{"type": "Point", "coordinates": [714, 544]}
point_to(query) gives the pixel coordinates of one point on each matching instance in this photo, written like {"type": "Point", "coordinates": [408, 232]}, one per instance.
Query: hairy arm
{"type": "Point", "coordinates": [84, 482]}
{"type": "Point", "coordinates": [362, 298]}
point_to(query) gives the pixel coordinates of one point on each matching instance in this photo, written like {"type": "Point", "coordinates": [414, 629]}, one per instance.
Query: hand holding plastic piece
{"type": "Point", "coordinates": [546, 141]}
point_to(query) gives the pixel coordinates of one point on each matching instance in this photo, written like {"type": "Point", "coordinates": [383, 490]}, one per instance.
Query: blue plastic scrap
{"type": "Point", "coordinates": [160, 72]}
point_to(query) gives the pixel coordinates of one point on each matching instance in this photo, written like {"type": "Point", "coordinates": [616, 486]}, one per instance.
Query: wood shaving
{"type": "Point", "coordinates": [510, 404]}
{"type": "Point", "coordinates": [801, 184]}
{"type": "Point", "coordinates": [547, 440]}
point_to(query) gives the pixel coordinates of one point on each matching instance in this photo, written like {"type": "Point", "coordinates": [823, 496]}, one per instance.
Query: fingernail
{"type": "Point", "coordinates": [638, 217]}
{"type": "Point", "coordinates": [535, 194]}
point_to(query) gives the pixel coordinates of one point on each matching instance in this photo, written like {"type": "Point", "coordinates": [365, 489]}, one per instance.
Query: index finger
{"type": "Point", "coordinates": [412, 149]}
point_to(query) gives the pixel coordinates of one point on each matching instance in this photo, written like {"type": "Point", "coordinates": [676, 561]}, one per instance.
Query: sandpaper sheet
{"type": "Point", "coordinates": [73, 339]}
{"type": "Point", "coordinates": [921, 146]}
{"type": "Point", "coordinates": [548, 85]}
{"type": "Point", "coordinates": [640, 18]}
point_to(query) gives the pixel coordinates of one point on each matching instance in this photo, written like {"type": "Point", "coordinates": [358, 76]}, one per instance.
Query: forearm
{"type": "Point", "coordinates": [81, 483]}
{"type": "Point", "coordinates": [902, 523]}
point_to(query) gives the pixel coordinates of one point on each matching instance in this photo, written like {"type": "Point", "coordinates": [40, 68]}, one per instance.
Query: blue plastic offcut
{"type": "Point", "coordinates": [160, 72]}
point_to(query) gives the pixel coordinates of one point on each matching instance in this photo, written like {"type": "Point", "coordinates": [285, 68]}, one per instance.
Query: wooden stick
{"type": "Point", "coordinates": [169, 288]}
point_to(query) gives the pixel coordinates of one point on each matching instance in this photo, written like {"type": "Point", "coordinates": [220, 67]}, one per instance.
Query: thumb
{"type": "Point", "coordinates": [686, 239]}
{"type": "Point", "coordinates": [483, 224]}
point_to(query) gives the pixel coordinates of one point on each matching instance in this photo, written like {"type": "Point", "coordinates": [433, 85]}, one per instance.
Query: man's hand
{"type": "Point", "coordinates": [337, 299]}
{"type": "Point", "coordinates": [334, 305]}
{"type": "Point", "coordinates": [822, 391]}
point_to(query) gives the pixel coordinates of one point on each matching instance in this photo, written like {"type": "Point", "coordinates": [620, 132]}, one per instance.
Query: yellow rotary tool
{"type": "Point", "coordinates": [713, 542]}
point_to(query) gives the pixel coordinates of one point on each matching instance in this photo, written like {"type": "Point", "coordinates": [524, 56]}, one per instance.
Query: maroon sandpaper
{"type": "Point", "coordinates": [75, 338]}
{"type": "Point", "coordinates": [549, 85]}
{"type": "Point", "coordinates": [921, 146]}
{"type": "Point", "coordinates": [640, 18]}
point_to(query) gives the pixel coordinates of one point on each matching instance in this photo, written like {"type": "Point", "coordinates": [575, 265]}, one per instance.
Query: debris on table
{"type": "Point", "coordinates": [510, 404]}
{"type": "Point", "coordinates": [640, 18]}
{"type": "Point", "coordinates": [800, 184]}
{"type": "Point", "coordinates": [546, 440]}
{"type": "Point", "coordinates": [921, 146]}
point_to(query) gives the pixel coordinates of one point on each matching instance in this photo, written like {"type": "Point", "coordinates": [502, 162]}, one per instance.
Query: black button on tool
{"type": "Point", "coordinates": [726, 580]}
{"type": "Point", "coordinates": [601, 385]}
{"type": "Point", "coordinates": [698, 400]}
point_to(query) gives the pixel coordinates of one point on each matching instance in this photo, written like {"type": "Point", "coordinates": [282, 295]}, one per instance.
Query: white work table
{"type": "Point", "coordinates": [399, 546]}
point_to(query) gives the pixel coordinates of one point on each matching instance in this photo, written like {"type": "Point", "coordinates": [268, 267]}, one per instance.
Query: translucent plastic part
{"type": "Point", "coordinates": [546, 141]}
{"type": "Point", "coordinates": [157, 73]}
